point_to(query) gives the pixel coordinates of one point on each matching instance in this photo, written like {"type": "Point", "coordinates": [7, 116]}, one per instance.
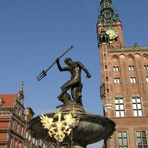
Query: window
{"type": "Point", "coordinates": [36, 142]}
{"type": "Point", "coordinates": [146, 79]}
{"type": "Point", "coordinates": [1, 101]}
{"type": "Point", "coordinates": [20, 113]}
{"type": "Point", "coordinates": [119, 107]}
{"type": "Point", "coordinates": [40, 142]}
{"type": "Point", "coordinates": [27, 135]}
{"type": "Point", "coordinates": [146, 67]}
{"type": "Point", "coordinates": [18, 129]}
{"type": "Point", "coordinates": [44, 146]}
{"type": "Point", "coordinates": [29, 138]}
{"type": "Point", "coordinates": [115, 68]}
{"type": "Point", "coordinates": [15, 143]}
{"type": "Point", "coordinates": [137, 107]}
{"type": "Point", "coordinates": [14, 126]}
{"type": "Point", "coordinates": [19, 145]}
{"type": "Point", "coordinates": [21, 131]}
{"type": "Point", "coordinates": [133, 79]}
{"type": "Point", "coordinates": [131, 67]}
{"type": "Point", "coordinates": [122, 139]}
{"type": "Point", "coordinates": [116, 80]}
{"type": "Point", "coordinates": [141, 139]}
{"type": "Point", "coordinates": [11, 143]}
{"type": "Point", "coordinates": [33, 140]}
{"type": "Point", "coordinates": [16, 110]}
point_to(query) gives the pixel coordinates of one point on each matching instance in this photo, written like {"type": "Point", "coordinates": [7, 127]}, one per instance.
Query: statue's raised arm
{"type": "Point", "coordinates": [60, 67]}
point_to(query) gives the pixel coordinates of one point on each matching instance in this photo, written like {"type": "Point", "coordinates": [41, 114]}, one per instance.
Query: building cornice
{"type": "Point", "coordinates": [128, 49]}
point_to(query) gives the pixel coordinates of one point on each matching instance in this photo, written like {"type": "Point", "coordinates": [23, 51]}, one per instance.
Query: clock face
{"type": "Point", "coordinates": [112, 32]}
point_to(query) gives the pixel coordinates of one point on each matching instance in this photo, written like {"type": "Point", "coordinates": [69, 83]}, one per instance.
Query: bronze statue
{"type": "Point", "coordinates": [74, 83]}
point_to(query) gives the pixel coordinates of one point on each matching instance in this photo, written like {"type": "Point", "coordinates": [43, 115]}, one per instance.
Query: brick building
{"type": "Point", "coordinates": [124, 85]}
{"type": "Point", "coordinates": [12, 121]}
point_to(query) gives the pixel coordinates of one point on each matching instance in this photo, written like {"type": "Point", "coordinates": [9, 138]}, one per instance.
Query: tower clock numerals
{"type": "Point", "coordinates": [112, 32]}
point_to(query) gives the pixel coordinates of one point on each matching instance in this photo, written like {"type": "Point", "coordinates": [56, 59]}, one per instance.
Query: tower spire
{"type": "Point", "coordinates": [21, 89]}
{"type": "Point", "coordinates": [106, 4]}
{"type": "Point", "coordinates": [107, 14]}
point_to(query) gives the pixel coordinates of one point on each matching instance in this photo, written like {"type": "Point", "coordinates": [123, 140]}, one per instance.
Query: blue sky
{"type": "Point", "coordinates": [33, 33]}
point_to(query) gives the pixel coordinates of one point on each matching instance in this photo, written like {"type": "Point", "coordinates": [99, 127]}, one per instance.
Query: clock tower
{"type": "Point", "coordinates": [110, 22]}
{"type": "Point", "coordinates": [124, 82]}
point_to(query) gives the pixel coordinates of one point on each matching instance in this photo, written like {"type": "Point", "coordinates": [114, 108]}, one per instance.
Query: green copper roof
{"type": "Point", "coordinates": [107, 14]}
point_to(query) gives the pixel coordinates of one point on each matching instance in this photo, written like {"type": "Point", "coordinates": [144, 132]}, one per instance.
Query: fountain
{"type": "Point", "coordinates": [71, 126]}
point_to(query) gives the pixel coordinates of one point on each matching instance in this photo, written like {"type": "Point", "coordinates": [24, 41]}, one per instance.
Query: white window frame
{"type": "Point", "coordinates": [115, 68]}
{"type": "Point", "coordinates": [133, 80]}
{"type": "Point", "coordinates": [131, 68]}
{"type": "Point", "coordinates": [116, 80]}
{"type": "Point", "coordinates": [36, 142]}
{"type": "Point", "coordinates": [119, 107]}
{"type": "Point", "coordinates": [26, 135]}
{"type": "Point", "coordinates": [33, 140]}
{"type": "Point", "coordinates": [137, 107]}
{"type": "Point", "coordinates": [141, 139]}
{"type": "Point", "coordinates": [122, 139]}
{"type": "Point", "coordinates": [29, 138]}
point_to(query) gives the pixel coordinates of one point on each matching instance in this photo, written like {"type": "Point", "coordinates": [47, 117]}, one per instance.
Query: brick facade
{"type": "Point", "coordinates": [124, 84]}
{"type": "Point", "coordinates": [14, 120]}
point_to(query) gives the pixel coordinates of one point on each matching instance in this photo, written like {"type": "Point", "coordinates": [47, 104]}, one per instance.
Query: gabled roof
{"type": "Point", "coordinates": [8, 99]}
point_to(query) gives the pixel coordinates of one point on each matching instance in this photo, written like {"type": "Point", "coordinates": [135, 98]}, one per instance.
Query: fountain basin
{"type": "Point", "coordinates": [91, 128]}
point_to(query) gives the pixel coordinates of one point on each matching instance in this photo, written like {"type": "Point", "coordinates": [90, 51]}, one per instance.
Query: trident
{"type": "Point", "coordinates": [44, 72]}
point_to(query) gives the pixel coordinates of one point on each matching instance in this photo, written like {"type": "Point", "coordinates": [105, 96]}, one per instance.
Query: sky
{"type": "Point", "coordinates": [33, 33]}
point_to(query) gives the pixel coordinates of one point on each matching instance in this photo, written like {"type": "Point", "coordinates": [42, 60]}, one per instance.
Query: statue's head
{"type": "Point", "coordinates": [68, 61]}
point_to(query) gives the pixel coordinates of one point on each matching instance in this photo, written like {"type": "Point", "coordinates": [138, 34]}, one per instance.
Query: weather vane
{"type": "Point", "coordinates": [44, 72]}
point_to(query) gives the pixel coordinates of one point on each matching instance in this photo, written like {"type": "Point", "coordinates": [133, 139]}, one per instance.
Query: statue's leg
{"type": "Point", "coordinates": [65, 98]}
{"type": "Point", "coordinates": [77, 93]}
{"type": "Point", "coordinates": [67, 86]}
{"type": "Point", "coordinates": [64, 89]}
